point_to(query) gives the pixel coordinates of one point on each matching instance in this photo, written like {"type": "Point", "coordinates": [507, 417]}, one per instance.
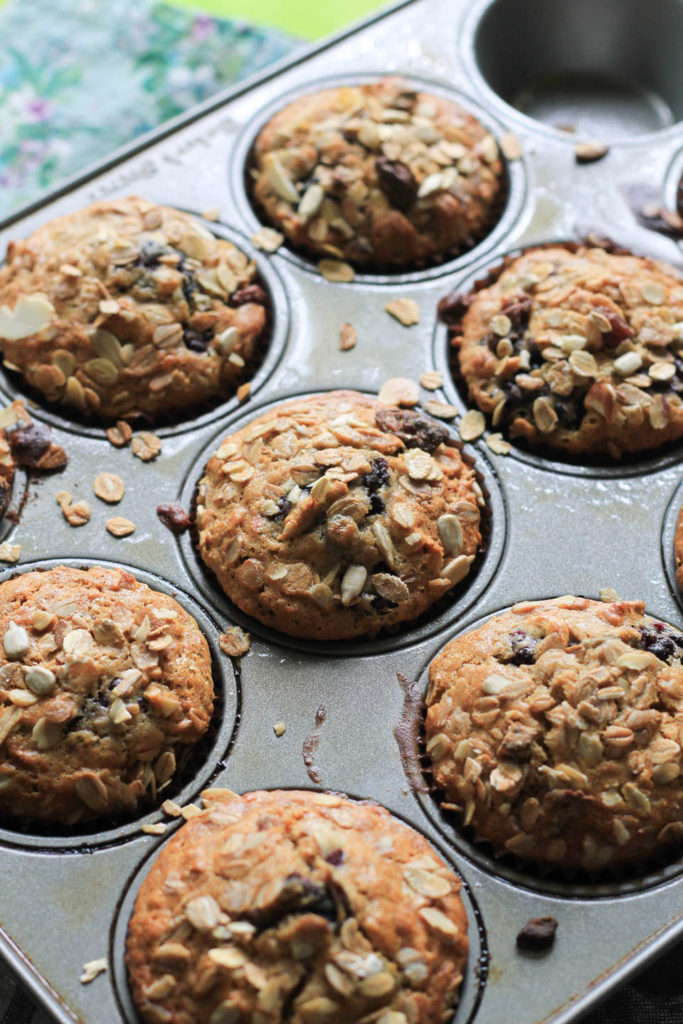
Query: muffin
{"type": "Point", "coordinates": [127, 308]}
{"type": "Point", "coordinates": [102, 682]}
{"type": "Point", "coordinates": [555, 728]}
{"type": "Point", "coordinates": [380, 175]}
{"type": "Point", "coordinates": [678, 548]}
{"type": "Point", "coordinates": [299, 907]}
{"type": "Point", "coordinates": [578, 350]}
{"type": "Point", "coordinates": [335, 516]}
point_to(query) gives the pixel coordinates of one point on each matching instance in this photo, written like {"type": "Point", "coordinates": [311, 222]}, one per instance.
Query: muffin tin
{"type": "Point", "coordinates": [555, 527]}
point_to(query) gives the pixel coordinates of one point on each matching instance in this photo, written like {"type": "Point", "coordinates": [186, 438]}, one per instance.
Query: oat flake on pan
{"type": "Point", "coordinates": [149, 313]}
{"type": "Point", "coordinates": [335, 516]}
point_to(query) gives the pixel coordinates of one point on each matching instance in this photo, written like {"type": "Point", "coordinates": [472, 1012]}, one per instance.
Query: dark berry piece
{"type": "Point", "coordinates": [284, 506]}
{"type": "Point", "coordinates": [537, 934]}
{"type": "Point", "coordinates": [523, 647]}
{"type": "Point", "coordinates": [660, 641]}
{"type": "Point", "coordinates": [377, 506]}
{"type": "Point", "coordinates": [150, 251]}
{"type": "Point", "coordinates": [252, 293]}
{"type": "Point", "coordinates": [173, 516]}
{"type": "Point", "coordinates": [415, 430]}
{"type": "Point", "coordinates": [397, 182]}
{"type": "Point", "coordinates": [378, 475]}
{"type": "Point", "coordinates": [29, 444]}
{"type": "Point", "coordinates": [453, 307]}
{"type": "Point", "coordinates": [197, 341]}
{"type": "Point", "coordinates": [335, 858]}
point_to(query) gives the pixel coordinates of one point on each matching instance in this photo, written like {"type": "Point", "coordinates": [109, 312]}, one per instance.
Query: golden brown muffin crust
{"type": "Point", "coordinates": [378, 174]}
{"type": "Point", "coordinates": [298, 907]}
{"type": "Point", "coordinates": [127, 308]}
{"type": "Point", "coordinates": [556, 728]}
{"type": "Point", "coordinates": [102, 680]}
{"type": "Point", "coordinates": [578, 350]}
{"type": "Point", "coordinates": [333, 516]}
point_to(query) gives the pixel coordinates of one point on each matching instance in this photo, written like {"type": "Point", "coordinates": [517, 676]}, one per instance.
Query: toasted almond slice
{"type": "Point", "coordinates": [347, 337]}
{"type": "Point", "coordinates": [336, 271]}
{"type": "Point", "coordinates": [406, 311]}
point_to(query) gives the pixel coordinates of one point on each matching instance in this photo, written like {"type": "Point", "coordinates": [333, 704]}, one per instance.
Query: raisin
{"type": "Point", "coordinates": [619, 329]}
{"type": "Point", "coordinates": [377, 506]}
{"type": "Point", "coordinates": [378, 475]}
{"type": "Point", "coordinates": [415, 430]}
{"type": "Point", "coordinates": [523, 647]}
{"type": "Point", "coordinates": [150, 251]}
{"type": "Point", "coordinates": [174, 517]}
{"type": "Point", "coordinates": [252, 293]}
{"type": "Point", "coordinates": [537, 934]}
{"type": "Point", "coordinates": [453, 307]}
{"type": "Point", "coordinates": [397, 182]}
{"type": "Point", "coordinates": [335, 857]}
{"type": "Point", "coordinates": [197, 341]}
{"type": "Point", "coordinates": [298, 895]}
{"type": "Point", "coordinates": [29, 444]}
{"type": "Point", "coordinates": [518, 310]}
{"type": "Point", "coordinates": [660, 641]}
{"type": "Point", "coordinates": [569, 413]}
{"type": "Point", "coordinates": [284, 506]}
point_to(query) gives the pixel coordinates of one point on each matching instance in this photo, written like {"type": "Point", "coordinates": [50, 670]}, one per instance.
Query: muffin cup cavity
{"type": "Point", "coordinates": [556, 880]}
{"type": "Point", "coordinates": [503, 216]}
{"type": "Point", "coordinates": [609, 71]}
{"type": "Point", "coordinates": [436, 618]}
{"type": "Point", "coordinates": [269, 350]}
{"type": "Point", "coordinates": [475, 974]}
{"type": "Point", "coordinates": [197, 765]}
{"type": "Point", "coordinates": [453, 307]}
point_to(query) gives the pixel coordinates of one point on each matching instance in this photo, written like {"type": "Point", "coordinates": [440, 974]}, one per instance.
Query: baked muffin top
{"type": "Point", "coordinates": [101, 681]}
{"type": "Point", "coordinates": [334, 516]}
{"type": "Point", "coordinates": [578, 350]}
{"type": "Point", "coordinates": [556, 728]}
{"type": "Point", "coordinates": [378, 174]}
{"type": "Point", "coordinates": [300, 907]}
{"type": "Point", "coordinates": [127, 308]}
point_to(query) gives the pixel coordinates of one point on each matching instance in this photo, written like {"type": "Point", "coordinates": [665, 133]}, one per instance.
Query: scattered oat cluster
{"type": "Point", "coordinates": [102, 681]}
{"type": "Point", "coordinates": [303, 906]}
{"type": "Point", "coordinates": [377, 176]}
{"type": "Point", "coordinates": [556, 730]}
{"type": "Point", "coordinates": [337, 515]}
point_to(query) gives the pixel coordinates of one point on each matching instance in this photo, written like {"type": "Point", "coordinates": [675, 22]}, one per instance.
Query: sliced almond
{"type": "Point", "coordinates": [589, 152]}
{"type": "Point", "coordinates": [472, 425]}
{"type": "Point", "coordinates": [267, 239]}
{"type": "Point", "coordinates": [347, 337]}
{"type": "Point", "coordinates": [399, 391]}
{"type": "Point", "coordinates": [510, 146]}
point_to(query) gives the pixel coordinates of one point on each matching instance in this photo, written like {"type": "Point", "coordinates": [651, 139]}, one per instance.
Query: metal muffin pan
{"type": "Point", "coordinates": [555, 528]}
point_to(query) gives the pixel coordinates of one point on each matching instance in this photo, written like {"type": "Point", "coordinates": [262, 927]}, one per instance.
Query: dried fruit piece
{"type": "Point", "coordinates": [120, 527]}
{"type": "Point", "coordinates": [109, 487]}
{"type": "Point", "coordinates": [336, 271]}
{"type": "Point", "coordinates": [174, 517]}
{"type": "Point", "coordinates": [146, 446]}
{"type": "Point", "coordinates": [399, 391]}
{"type": "Point", "coordinates": [406, 311]}
{"type": "Point", "coordinates": [347, 337]}
{"type": "Point", "coordinates": [537, 934]}
{"type": "Point", "coordinates": [234, 642]}
{"type": "Point", "coordinates": [397, 182]}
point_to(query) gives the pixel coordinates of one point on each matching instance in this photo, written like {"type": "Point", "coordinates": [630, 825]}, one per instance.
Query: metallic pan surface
{"type": "Point", "coordinates": [555, 528]}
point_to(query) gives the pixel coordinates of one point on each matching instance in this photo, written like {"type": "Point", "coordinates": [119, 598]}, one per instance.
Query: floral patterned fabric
{"type": "Point", "coordinates": [79, 78]}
